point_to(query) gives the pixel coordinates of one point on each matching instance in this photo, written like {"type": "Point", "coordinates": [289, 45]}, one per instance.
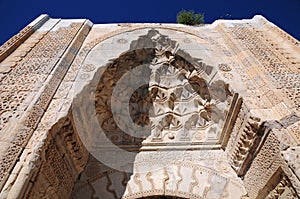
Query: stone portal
{"type": "Point", "coordinates": [149, 111]}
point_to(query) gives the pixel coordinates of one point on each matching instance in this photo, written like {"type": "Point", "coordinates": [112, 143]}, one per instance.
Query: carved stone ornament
{"type": "Point", "coordinates": [150, 111]}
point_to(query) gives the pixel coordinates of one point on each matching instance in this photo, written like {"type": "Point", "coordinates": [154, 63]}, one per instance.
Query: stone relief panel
{"type": "Point", "coordinates": [282, 190]}
{"type": "Point", "coordinates": [35, 69]}
{"type": "Point", "coordinates": [255, 87]}
{"type": "Point", "coordinates": [9, 46]}
{"type": "Point", "coordinates": [266, 167]}
{"type": "Point", "coordinates": [241, 37]}
{"type": "Point", "coordinates": [196, 174]}
{"type": "Point", "coordinates": [247, 142]}
{"type": "Point", "coordinates": [183, 102]}
{"type": "Point", "coordinates": [182, 94]}
{"type": "Point", "coordinates": [55, 174]}
{"type": "Point", "coordinates": [284, 76]}
{"type": "Point", "coordinates": [62, 159]}
{"type": "Point", "coordinates": [181, 84]}
{"type": "Point", "coordinates": [279, 186]}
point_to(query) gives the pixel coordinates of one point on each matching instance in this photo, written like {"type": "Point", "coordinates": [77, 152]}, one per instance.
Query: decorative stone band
{"type": "Point", "coordinates": [187, 179]}
{"type": "Point", "coordinates": [283, 189]}
{"type": "Point", "coordinates": [251, 140]}
{"type": "Point", "coordinates": [281, 68]}
{"type": "Point", "coordinates": [255, 143]}
{"type": "Point", "coordinates": [231, 117]}
{"type": "Point", "coordinates": [247, 144]}
{"type": "Point", "coordinates": [268, 168]}
{"type": "Point", "coordinates": [62, 160]}
{"type": "Point", "coordinates": [30, 120]}
{"type": "Point", "coordinates": [8, 47]}
{"type": "Point", "coordinates": [280, 32]}
{"type": "Point", "coordinates": [70, 142]}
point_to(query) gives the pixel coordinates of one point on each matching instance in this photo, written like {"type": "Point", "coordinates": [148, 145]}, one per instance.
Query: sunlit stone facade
{"type": "Point", "coordinates": [150, 111]}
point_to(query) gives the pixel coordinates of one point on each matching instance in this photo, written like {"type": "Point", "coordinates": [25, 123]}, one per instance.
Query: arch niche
{"type": "Point", "coordinates": [170, 133]}
{"type": "Point", "coordinates": [147, 121]}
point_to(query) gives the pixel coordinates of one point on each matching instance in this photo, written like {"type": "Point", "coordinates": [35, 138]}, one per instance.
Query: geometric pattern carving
{"type": "Point", "coordinates": [187, 106]}
{"type": "Point", "coordinates": [295, 132]}
{"type": "Point", "coordinates": [267, 166]}
{"type": "Point", "coordinates": [63, 161]}
{"type": "Point", "coordinates": [22, 80]}
{"type": "Point", "coordinates": [180, 99]}
{"type": "Point", "coordinates": [31, 71]}
{"type": "Point", "coordinates": [245, 142]}
{"type": "Point", "coordinates": [274, 64]}
{"type": "Point", "coordinates": [70, 142]}
{"type": "Point", "coordinates": [139, 103]}
{"type": "Point", "coordinates": [282, 190]}
{"type": "Point", "coordinates": [184, 104]}
{"type": "Point", "coordinates": [236, 129]}
{"type": "Point", "coordinates": [10, 45]}
{"type": "Point", "coordinates": [188, 177]}
{"type": "Point", "coordinates": [57, 174]}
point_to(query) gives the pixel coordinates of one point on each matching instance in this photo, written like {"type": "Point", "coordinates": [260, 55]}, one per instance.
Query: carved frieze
{"type": "Point", "coordinates": [184, 106]}
{"type": "Point", "coordinates": [54, 173]}
{"type": "Point", "coordinates": [9, 46]}
{"type": "Point", "coordinates": [282, 190]}
{"type": "Point", "coordinates": [34, 70]}
{"type": "Point", "coordinates": [275, 65]}
{"type": "Point", "coordinates": [245, 141]}
{"type": "Point", "coordinates": [183, 174]}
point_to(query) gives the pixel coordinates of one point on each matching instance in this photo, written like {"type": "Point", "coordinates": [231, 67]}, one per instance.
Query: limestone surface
{"type": "Point", "coordinates": [150, 111]}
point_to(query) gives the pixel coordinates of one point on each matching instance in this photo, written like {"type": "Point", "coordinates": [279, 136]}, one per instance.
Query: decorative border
{"type": "Point", "coordinates": [9, 46]}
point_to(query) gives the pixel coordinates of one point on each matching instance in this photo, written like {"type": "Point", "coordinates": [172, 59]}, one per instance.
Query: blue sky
{"type": "Point", "coordinates": [16, 14]}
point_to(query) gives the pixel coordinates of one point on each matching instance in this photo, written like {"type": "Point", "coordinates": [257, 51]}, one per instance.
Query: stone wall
{"type": "Point", "coordinates": [220, 106]}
